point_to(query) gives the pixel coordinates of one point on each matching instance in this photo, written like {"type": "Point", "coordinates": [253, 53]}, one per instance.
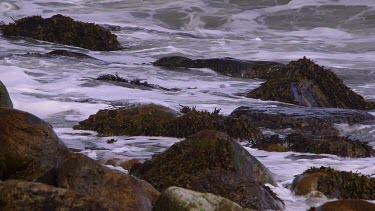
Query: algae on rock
{"type": "Point", "coordinates": [63, 30]}
{"type": "Point", "coordinates": [335, 184]}
{"type": "Point", "coordinates": [305, 83]}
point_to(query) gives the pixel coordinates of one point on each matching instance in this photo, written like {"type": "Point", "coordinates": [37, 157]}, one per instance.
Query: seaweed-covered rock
{"type": "Point", "coordinates": [225, 66]}
{"type": "Point", "coordinates": [345, 205]}
{"type": "Point", "coordinates": [21, 195]}
{"type": "Point", "coordinates": [63, 30]}
{"type": "Point", "coordinates": [336, 145]}
{"type": "Point", "coordinates": [5, 101]}
{"type": "Point", "coordinates": [335, 184]}
{"type": "Point", "coordinates": [180, 199]}
{"type": "Point", "coordinates": [156, 120]}
{"type": "Point", "coordinates": [238, 188]}
{"type": "Point", "coordinates": [85, 176]}
{"type": "Point", "coordinates": [308, 121]}
{"type": "Point", "coordinates": [305, 83]}
{"type": "Point", "coordinates": [28, 145]}
{"type": "Point", "coordinates": [147, 120]}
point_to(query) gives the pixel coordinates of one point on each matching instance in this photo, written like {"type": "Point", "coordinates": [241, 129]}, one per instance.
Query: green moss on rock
{"type": "Point", "coordinates": [63, 30]}
{"type": "Point", "coordinates": [336, 184]}
{"type": "Point", "coordinates": [341, 146]}
{"type": "Point", "coordinates": [305, 83]}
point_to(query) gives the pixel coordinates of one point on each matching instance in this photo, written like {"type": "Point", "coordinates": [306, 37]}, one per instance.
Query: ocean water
{"type": "Point", "coordinates": [335, 33]}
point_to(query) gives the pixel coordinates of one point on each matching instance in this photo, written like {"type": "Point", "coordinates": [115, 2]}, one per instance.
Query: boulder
{"type": "Point", "coordinates": [83, 175]}
{"type": "Point", "coordinates": [336, 145]}
{"type": "Point", "coordinates": [345, 205]}
{"type": "Point", "coordinates": [225, 66]}
{"type": "Point", "coordinates": [335, 184]}
{"type": "Point", "coordinates": [175, 198]}
{"type": "Point", "coordinates": [123, 163]}
{"type": "Point", "coordinates": [237, 187]}
{"type": "Point", "coordinates": [194, 164]}
{"type": "Point", "coordinates": [21, 195]}
{"type": "Point", "coordinates": [156, 120]}
{"type": "Point", "coordinates": [63, 30]}
{"type": "Point", "coordinates": [305, 83]}
{"type": "Point", "coordinates": [28, 145]}
{"type": "Point", "coordinates": [5, 101]}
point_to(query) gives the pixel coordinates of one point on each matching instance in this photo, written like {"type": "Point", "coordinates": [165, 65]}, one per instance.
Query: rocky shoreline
{"type": "Point", "coordinates": [209, 169]}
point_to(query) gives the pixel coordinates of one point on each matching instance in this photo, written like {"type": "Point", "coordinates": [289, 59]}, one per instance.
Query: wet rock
{"type": "Point", "coordinates": [335, 184]}
{"type": "Point", "coordinates": [28, 145]}
{"type": "Point", "coordinates": [155, 120]}
{"type": "Point", "coordinates": [123, 163]}
{"type": "Point", "coordinates": [308, 121]}
{"type": "Point", "coordinates": [70, 54]}
{"type": "Point", "coordinates": [341, 146]}
{"type": "Point", "coordinates": [175, 198]}
{"type": "Point", "coordinates": [203, 152]}
{"type": "Point", "coordinates": [85, 176]}
{"type": "Point", "coordinates": [63, 30]}
{"type": "Point", "coordinates": [225, 66]}
{"type": "Point", "coordinates": [345, 205]}
{"type": "Point", "coordinates": [21, 195]}
{"type": "Point", "coordinates": [5, 101]}
{"type": "Point", "coordinates": [238, 188]}
{"type": "Point", "coordinates": [305, 83]}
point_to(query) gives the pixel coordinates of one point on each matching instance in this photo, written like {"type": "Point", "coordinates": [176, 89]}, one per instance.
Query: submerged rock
{"type": "Point", "coordinates": [175, 198]}
{"type": "Point", "coordinates": [225, 66]}
{"type": "Point", "coordinates": [28, 145]}
{"type": "Point", "coordinates": [5, 101]}
{"type": "Point", "coordinates": [345, 205]}
{"type": "Point", "coordinates": [63, 30]}
{"type": "Point", "coordinates": [21, 195]}
{"type": "Point", "coordinates": [341, 146]}
{"type": "Point", "coordinates": [335, 184]}
{"type": "Point", "coordinates": [156, 120]}
{"type": "Point", "coordinates": [69, 54]}
{"type": "Point", "coordinates": [85, 176]}
{"type": "Point", "coordinates": [305, 83]}
{"type": "Point", "coordinates": [198, 159]}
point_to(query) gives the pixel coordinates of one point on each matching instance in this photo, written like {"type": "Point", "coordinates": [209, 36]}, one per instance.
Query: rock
{"type": "Point", "coordinates": [336, 145]}
{"type": "Point", "coordinates": [305, 83]}
{"type": "Point", "coordinates": [238, 188]}
{"type": "Point", "coordinates": [69, 54]}
{"type": "Point", "coordinates": [85, 176]}
{"type": "Point", "coordinates": [5, 101]}
{"type": "Point", "coordinates": [28, 145]}
{"type": "Point", "coordinates": [225, 66]}
{"type": "Point", "coordinates": [335, 184]}
{"type": "Point", "coordinates": [21, 195]}
{"type": "Point", "coordinates": [345, 205]}
{"type": "Point", "coordinates": [190, 163]}
{"type": "Point", "coordinates": [175, 198]}
{"type": "Point", "coordinates": [63, 30]}
{"type": "Point", "coordinates": [125, 164]}
{"type": "Point", "coordinates": [314, 122]}
{"type": "Point", "coordinates": [156, 120]}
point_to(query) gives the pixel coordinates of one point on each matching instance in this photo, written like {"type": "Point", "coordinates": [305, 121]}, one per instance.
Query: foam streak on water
{"type": "Point", "coordinates": [334, 33]}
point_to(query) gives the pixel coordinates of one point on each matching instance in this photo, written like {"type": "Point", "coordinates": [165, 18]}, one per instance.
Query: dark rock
{"type": "Point", "coordinates": [313, 122]}
{"type": "Point", "coordinates": [335, 184]}
{"type": "Point", "coordinates": [345, 205]}
{"type": "Point", "coordinates": [28, 145]}
{"type": "Point", "coordinates": [175, 198]}
{"type": "Point", "coordinates": [238, 188]}
{"type": "Point", "coordinates": [63, 30]}
{"type": "Point", "coordinates": [341, 146]}
{"type": "Point", "coordinates": [85, 176]}
{"type": "Point", "coordinates": [70, 54]}
{"type": "Point", "coordinates": [21, 195]}
{"type": "Point", "coordinates": [203, 152]}
{"type": "Point", "coordinates": [225, 66]}
{"type": "Point", "coordinates": [155, 120]}
{"type": "Point", "coordinates": [5, 101]}
{"type": "Point", "coordinates": [305, 83]}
